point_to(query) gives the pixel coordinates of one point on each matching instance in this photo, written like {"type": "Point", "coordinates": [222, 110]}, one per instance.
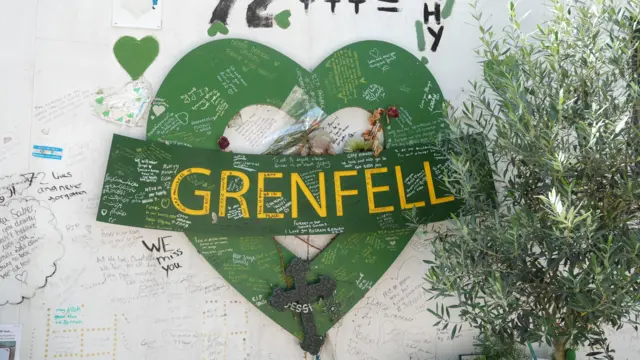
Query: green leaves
{"type": "Point", "coordinates": [558, 257]}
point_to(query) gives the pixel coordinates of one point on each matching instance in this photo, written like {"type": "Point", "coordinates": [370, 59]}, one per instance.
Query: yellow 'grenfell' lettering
{"type": "Point", "coordinates": [402, 193]}
{"type": "Point", "coordinates": [296, 181]}
{"type": "Point", "coordinates": [371, 190]}
{"type": "Point", "coordinates": [206, 195]}
{"type": "Point", "coordinates": [432, 191]}
{"type": "Point", "coordinates": [224, 194]}
{"type": "Point", "coordinates": [338, 187]}
{"type": "Point", "coordinates": [263, 194]}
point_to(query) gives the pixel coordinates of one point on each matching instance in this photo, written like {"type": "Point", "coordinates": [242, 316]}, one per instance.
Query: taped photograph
{"type": "Point", "coordinates": [145, 14]}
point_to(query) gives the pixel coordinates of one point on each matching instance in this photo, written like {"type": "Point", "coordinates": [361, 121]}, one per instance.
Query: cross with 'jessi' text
{"type": "Point", "coordinates": [303, 294]}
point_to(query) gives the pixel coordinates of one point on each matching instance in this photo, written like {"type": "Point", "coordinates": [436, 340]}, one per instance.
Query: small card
{"type": "Point", "coordinates": [145, 14]}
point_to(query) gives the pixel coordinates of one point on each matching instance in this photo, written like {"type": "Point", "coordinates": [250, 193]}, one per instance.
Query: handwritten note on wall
{"type": "Point", "coordinates": [30, 244]}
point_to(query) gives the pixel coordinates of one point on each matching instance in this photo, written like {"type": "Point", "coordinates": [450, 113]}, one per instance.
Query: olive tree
{"type": "Point", "coordinates": [554, 255]}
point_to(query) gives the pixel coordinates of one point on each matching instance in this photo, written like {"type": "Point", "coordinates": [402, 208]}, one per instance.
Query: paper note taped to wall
{"type": "Point", "coordinates": [146, 14]}
{"type": "Point", "coordinates": [31, 245]}
{"type": "Point", "coordinates": [127, 106]}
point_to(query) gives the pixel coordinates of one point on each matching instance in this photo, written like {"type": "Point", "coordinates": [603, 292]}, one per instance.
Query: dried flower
{"type": "Point", "coordinates": [375, 116]}
{"type": "Point", "coordinates": [223, 143]}
{"type": "Point", "coordinates": [393, 112]}
{"type": "Point", "coordinates": [367, 135]}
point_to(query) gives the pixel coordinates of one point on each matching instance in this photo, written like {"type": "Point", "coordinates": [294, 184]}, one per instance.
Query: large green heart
{"type": "Point", "coordinates": [212, 83]}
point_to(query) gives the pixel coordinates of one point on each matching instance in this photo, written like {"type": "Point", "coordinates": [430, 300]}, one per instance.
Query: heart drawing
{"type": "Point", "coordinates": [158, 109]}
{"type": "Point", "coordinates": [22, 277]}
{"type": "Point", "coordinates": [199, 108]}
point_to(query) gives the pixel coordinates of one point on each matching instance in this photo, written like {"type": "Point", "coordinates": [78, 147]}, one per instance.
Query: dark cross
{"type": "Point", "coordinates": [333, 5]}
{"type": "Point", "coordinates": [356, 4]}
{"type": "Point", "coordinates": [306, 4]}
{"type": "Point", "coordinates": [304, 294]}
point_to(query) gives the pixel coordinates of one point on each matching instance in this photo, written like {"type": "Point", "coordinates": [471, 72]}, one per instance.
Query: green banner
{"type": "Point", "coordinates": [153, 185]}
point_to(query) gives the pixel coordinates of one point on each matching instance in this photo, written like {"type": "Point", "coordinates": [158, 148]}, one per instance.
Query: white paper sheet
{"type": "Point", "coordinates": [146, 14]}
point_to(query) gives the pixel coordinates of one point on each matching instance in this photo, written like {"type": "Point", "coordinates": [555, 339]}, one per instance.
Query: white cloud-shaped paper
{"type": "Point", "coordinates": [30, 245]}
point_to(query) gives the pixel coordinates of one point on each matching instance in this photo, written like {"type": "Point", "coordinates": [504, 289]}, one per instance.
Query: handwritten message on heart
{"type": "Point", "coordinates": [197, 109]}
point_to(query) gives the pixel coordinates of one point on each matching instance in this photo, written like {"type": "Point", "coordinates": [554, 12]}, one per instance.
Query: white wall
{"type": "Point", "coordinates": [57, 53]}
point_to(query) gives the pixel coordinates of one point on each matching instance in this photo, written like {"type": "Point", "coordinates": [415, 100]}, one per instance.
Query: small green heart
{"type": "Point", "coordinates": [282, 19]}
{"type": "Point", "coordinates": [100, 100]}
{"type": "Point", "coordinates": [136, 90]}
{"type": "Point", "coordinates": [130, 115]}
{"type": "Point", "coordinates": [106, 113]}
{"type": "Point", "coordinates": [134, 55]}
{"type": "Point", "coordinates": [120, 119]}
{"type": "Point", "coordinates": [217, 27]}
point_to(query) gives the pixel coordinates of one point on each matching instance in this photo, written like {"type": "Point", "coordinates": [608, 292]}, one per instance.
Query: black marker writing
{"type": "Point", "coordinates": [389, 8]}
{"type": "Point", "coordinates": [221, 12]}
{"type": "Point", "coordinates": [437, 30]}
{"type": "Point", "coordinates": [426, 14]}
{"type": "Point", "coordinates": [307, 3]}
{"type": "Point", "coordinates": [437, 36]}
{"type": "Point", "coordinates": [255, 18]}
{"type": "Point", "coordinates": [356, 4]}
{"type": "Point", "coordinates": [164, 255]}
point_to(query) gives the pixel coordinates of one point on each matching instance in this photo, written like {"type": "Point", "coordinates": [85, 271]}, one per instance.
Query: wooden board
{"type": "Point", "coordinates": [195, 104]}
{"type": "Point", "coordinates": [213, 82]}
{"type": "Point", "coordinates": [158, 186]}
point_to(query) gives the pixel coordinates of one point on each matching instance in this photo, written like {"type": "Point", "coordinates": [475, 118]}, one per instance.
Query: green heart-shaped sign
{"type": "Point", "coordinates": [254, 266]}
{"type": "Point", "coordinates": [134, 55]}
{"type": "Point", "coordinates": [212, 83]}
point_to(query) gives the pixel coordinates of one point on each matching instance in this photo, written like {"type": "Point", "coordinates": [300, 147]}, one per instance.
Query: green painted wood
{"type": "Point", "coordinates": [153, 185]}
{"type": "Point", "coordinates": [254, 267]}
{"type": "Point", "coordinates": [213, 82]}
{"type": "Point", "coordinates": [206, 88]}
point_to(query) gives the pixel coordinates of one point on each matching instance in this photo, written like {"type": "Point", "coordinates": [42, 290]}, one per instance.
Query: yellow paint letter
{"type": "Point", "coordinates": [339, 192]}
{"type": "Point", "coordinates": [371, 190]}
{"type": "Point", "coordinates": [432, 191]}
{"type": "Point", "coordinates": [403, 194]}
{"type": "Point", "coordinates": [206, 195]}
{"type": "Point", "coordinates": [263, 194]}
{"type": "Point", "coordinates": [224, 194]}
{"type": "Point", "coordinates": [296, 182]}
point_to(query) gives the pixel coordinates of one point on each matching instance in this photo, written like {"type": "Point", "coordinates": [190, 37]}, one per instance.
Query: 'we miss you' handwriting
{"type": "Point", "coordinates": [165, 256]}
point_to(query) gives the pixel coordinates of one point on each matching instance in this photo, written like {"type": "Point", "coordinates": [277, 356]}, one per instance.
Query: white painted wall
{"type": "Point", "coordinates": [57, 53]}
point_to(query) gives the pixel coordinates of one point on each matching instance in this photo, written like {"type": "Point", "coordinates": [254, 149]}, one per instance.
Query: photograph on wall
{"type": "Point", "coordinates": [9, 342]}
{"type": "Point", "coordinates": [145, 14]}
